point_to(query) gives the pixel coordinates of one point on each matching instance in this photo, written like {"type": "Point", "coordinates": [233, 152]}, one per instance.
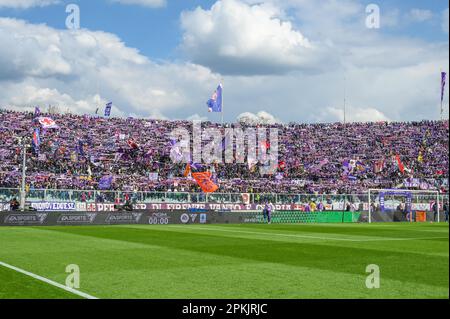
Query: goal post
{"type": "Point", "coordinates": [402, 205]}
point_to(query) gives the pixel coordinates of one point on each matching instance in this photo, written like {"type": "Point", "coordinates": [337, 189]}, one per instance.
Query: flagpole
{"type": "Point", "coordinates": [98, 90]}
{"type": "Point", "coordinates": [442, 99]}
{"type": "Point", "coordinates": [345, 100]}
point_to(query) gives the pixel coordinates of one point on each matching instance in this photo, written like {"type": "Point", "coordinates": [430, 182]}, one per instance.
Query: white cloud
{"type": "Point", "coordinates": [261, 117]}
{"type": "Point", "coordinates": [25, 97]}
{"type": "Point", "coordinates": [25, 4]}
{"type": "Point", "coordinates": [145, 3]}
{"type": "Point", "coordinates": [388, 76]}
{"type": "Point", "coordinates": [238, 38]}
{"type": "Point", "coordinates": [353, 114]}
{"type": "Point", "coordinates": [197, 117]}
{"type": "Point", "coordinates": [30, 54]}
{"type": "Point", "coordinates": [420, 15]}
{"type": "Point", "coordinates": [396, 75]}
{"type": "Point", "coordinates": [70, 67]}
{"type": "Point", "coordinates": [390, 18]}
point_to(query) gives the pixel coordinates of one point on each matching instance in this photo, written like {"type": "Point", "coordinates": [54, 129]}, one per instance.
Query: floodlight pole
{"type": "Point", "coordinates": [442, 105]}
{"type": "Point", "coordinates": [24, 169]}
{"type": "Point", "coordinates": [223, 104]}
{"type": "Point", "coordinates": [345, 100]}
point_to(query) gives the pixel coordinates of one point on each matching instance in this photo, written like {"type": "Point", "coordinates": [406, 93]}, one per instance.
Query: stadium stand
{"type": "Point", "coordinates": [314, 158]}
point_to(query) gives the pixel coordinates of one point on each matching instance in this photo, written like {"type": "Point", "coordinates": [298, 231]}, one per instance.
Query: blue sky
{"type": "Point", "coordinates": [429, 30]}
{"type": "Point", "coordinates": [316, 44]}
{"type": "Point", "coordinates": [156, 31]}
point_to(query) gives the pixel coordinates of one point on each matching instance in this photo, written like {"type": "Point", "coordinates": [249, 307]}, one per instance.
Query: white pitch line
{"type": "Point", "coordinates": [261, 233]}
{"type": "Point", "coordinates": [48, 281]}
{"type": "Point", "coordinates": [302, 236]}
{"type": "Point", "coordinates": [401, 239]}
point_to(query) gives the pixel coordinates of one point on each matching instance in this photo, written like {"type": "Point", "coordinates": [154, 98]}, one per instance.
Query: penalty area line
{"type": "Point", "coordinates": [48, 281]}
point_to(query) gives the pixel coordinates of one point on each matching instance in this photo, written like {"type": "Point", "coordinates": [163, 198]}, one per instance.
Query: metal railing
{"type": "Point", "coordinates": [92, 196]}
{"type": "Point", "coordinates": [97, 196]}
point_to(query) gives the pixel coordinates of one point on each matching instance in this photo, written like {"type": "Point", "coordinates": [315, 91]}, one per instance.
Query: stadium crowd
{"type": "Point", "coordinates": [313, 158]}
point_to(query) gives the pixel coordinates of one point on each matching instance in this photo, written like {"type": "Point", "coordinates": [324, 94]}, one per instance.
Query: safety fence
{"type": "Point", "coordinates": [96, 196]}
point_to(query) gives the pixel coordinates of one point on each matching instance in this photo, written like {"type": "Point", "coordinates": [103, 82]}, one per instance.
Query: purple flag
{"type": "Point", "coordinates": [108, 109]}
{"type": "Point", "coordinates": [318, 167]}
{"type": "Point", "coordinates": [443, 80]}
{"type": "Point", "coordinates": [37, 111]}
{"type": "Point", "coordinates": [105, 182]}
{"type": "Point", "coordinates": [216, 101]}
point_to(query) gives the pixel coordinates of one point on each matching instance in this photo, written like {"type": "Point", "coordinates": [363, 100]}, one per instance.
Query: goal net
{"type": "Point", "coordinates": [399, 205]}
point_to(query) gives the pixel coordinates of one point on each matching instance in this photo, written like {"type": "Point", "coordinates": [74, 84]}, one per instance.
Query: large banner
{"type": "Point", "coordinates": [54, 206]}
{"type": "Point", "coordinates": [92, 207]}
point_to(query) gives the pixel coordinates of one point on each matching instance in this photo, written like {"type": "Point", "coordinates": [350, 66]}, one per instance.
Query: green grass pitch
{"type": "Point", "coordinates": [228, 261]}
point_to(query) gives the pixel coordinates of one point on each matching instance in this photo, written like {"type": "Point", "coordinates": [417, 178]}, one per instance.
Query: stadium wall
{"type": "Point", "coordinates": [168, 218]}
{"type": "Point", "coordinates": [197, 217]}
